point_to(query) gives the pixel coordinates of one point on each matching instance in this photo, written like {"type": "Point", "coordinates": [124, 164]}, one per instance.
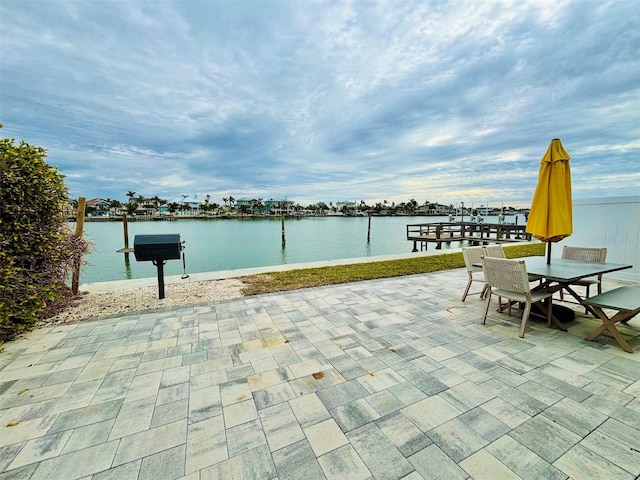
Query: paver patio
{"type": "Point", "coordinates": [384, 379]}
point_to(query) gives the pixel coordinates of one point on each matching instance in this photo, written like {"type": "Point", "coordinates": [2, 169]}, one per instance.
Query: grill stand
{"type": "Point", "coordinates": [160, 266]}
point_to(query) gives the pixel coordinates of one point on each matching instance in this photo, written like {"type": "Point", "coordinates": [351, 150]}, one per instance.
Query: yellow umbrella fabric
{"type": "Point", "coordinates": [551, 216]}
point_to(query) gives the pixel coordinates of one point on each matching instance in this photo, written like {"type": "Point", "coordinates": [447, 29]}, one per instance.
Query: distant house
{"type": "Point", "coordinates": [97, 206]}
{"type": "Point", "coordinates": [345, 206]}
{"type": "Point", "coordinates": [188, 204]}
{"type": "Point", "coordinates": [278, 206]}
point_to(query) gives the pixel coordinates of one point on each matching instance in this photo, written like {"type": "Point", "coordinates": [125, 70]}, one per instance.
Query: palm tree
{"type": "Point", "coordinates": [225, 200]}
{"type": "Point", "coordinates": [231, 201]}
{"type": "Point", "coordinates": [131, 194]}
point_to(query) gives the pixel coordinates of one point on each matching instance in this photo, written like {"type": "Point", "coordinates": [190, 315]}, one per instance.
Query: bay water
{"type": "Point", "coordinates": [214, 245]}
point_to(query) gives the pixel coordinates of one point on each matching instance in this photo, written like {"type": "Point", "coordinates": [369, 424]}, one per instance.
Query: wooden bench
{"type": "Point", "coordinates": [626, 300]}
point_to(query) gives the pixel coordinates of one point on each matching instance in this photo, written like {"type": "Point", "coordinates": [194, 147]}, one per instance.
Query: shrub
{"type": "Point", "coordinates": [36, 249]}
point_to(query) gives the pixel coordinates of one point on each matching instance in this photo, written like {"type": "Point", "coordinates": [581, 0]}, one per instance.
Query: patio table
{"type": "Point", "coordinates": [564, 272]}
{"type": "Point", "coordinates": [561, 273]}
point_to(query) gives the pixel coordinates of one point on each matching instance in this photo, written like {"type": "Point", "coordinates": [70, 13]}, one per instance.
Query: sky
{"type": "Point", "coordinates": [325, 101]}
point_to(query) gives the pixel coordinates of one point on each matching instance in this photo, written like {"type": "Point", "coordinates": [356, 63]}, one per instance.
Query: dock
{"type": "Point", "coordinates": [472, 232]}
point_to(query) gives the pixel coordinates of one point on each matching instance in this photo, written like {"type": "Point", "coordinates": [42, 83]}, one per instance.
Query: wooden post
{"type": "Point", "coordinates": [77, 261]}
{"type": "Point", "coordinates": [369, 230]}
{"type": "Point", "coordinates": [125, 227]}
{"type": "Point", "coordinates": [284, 240]}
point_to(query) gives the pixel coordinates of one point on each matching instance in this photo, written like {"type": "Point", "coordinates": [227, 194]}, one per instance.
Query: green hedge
{"type": "Point", "coordinates": [34, 246]}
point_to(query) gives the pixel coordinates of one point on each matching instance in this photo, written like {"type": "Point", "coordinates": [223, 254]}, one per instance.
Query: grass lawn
{"type": "Point", "coordinates": [314, 277]}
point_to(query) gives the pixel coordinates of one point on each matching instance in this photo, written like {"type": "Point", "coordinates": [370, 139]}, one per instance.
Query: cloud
{"type": "Point", "coordinates": [325, 101]}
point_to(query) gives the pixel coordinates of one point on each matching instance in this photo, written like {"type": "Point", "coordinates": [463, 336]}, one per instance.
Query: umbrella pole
{"type": "Point", "coordinates": [548, 253]}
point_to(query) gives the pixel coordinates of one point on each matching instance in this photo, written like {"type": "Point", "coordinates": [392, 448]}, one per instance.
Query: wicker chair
{"type": "Point", "coordinates": [496, 251]}
{"type": "Point", "coordinates": [508, 278]}
{"type": "Point", "coordinates": [473, 255]}
{"type": "Point", "coordinates": [585, 254]}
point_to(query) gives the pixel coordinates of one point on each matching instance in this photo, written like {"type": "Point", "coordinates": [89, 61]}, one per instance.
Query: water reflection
{"type": "Point", "coordinates": [127, 267]}
{"type": "Point", "coordinates": [283, 254]}
{"type": "Point", "coordinates": [367, 249]}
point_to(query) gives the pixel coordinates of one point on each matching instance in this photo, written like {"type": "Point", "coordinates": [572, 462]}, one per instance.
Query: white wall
{"type": "Point", "coordinates": [608, 222]}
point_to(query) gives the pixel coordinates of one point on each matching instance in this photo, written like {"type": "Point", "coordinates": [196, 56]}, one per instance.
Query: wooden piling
{"type": "Point", "coordinates": [77, 261]}
{"type": "Point", "coordinates": [284, 240]}
{"type": "Point", "coordinates": [369, 230]}
{"type": "Point", "coordinates": [125, 228]}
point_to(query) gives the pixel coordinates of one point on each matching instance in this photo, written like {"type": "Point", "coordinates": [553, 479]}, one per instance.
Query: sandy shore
{"type": "Point", "coordinates": [124, 302]}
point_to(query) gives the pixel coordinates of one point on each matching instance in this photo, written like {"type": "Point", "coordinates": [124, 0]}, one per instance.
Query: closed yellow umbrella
{"type": "Point", "coordinates": [551, 218]}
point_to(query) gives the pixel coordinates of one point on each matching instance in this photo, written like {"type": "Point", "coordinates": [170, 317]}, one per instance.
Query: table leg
{"type": "Point", "coordinates": [609, 324]}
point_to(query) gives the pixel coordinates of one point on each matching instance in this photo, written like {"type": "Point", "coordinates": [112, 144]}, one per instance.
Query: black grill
{"type": "Point", "coordinates": [157, 247]}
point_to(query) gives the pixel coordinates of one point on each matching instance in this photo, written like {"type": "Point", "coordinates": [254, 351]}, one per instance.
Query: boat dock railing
{"type": "Point", "coordinates": [472, 232]}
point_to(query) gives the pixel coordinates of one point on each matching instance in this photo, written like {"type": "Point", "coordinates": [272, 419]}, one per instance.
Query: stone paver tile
{"type": "Point", "coordinates": [41, 448]}
{"type": "Point", "coordinates": [128, 471]}
{"type": "Point", "coordinates": [484, 466]}
{"type": "Point", "coordinates": [354, 414]}
{"type": "Point", "coordinates": [379, 454]}
{"type": "Point", "coordinates": [614, 451]}
{"type": "Point", "coordinates": [270, 396]}
{"type": "Point", "coordinates": [263, 365]}
{"type": "Point", "coordinates": [297, 461]}
{"type": "Point", "coordinates": [95, 370]}
{"type": "Point", "coordinates": [115, 385]}
{"type": "Point", "coordinates": [407, 438]}
{"type": "Point", "coordinates": [426, 382]}
{"type": "Point", "coordinates": [133, 417]}
{"type": "Point", "coordinates": [545, 438]}
{"type": "Point", "coordinates": [623, 433]}
{"type": "Point", "coordinates": [466, 396]}
{"type": "Point", "coordinates": [238, 413]}
{"type": "Point", "coordinates": [143, 386]}
{"type": "Point", "coordinates": [485, 424]}
{"type": "Point", "coordinates": [523, 461]}
{"type": "Point", "coordinates": [580, 463]}
{"type": "Point", "coordinates": [170, 412]}
{"type": "Point", "coordinates": [86, 416]}
{"type": "Point", "coordinates": [308, 367]}
{"type": "Point", "coordinates": [325, 437]}
{"type": "Point", "coordinates": [26, 430]}
{"type": "Point", "coordinates": [433, 464]}
{"type": "Point", "coordinates": [206, 444]}
{"type": "Point", "coordinates": [384, 402]}
{"type": "Point", "coordinates": [208, 379]}
{"type": "Point", "coordinates": [213, 365]}
{"type": "Point", "coordinates": [166, 465]}
{"type": "Point", "coordinates": [8, 453]}
{"type": "Point", "coordinates": [172, 393]}
{"type": "Point", "coordinates": [407, 393]}
{"type": "Point", "coordinates": [151, 441]}
{"type": "Point", "coordinates": [256, 464]}
{"type": "Point", "coordinates": [234, 392]}
{"type": "Point", "coordinates": [244, 437]}
{"type": "Point", "coordinates": [574, 416]}
{"type": "Point", "coordinates": [269, 378]}
{"type": "Point", "coordinates": [505, 412]}
{"type": "Point", "coordinates": [380, 380]}
{"type": "Point", "coordinates": [88, 436]}
{"type": "Point", "coordinates": [35, 395]}
{"type": "Point", "coordinates": [204, 403]}
{"type": "Point", "coordinates": [309, 409]}
{"type": "Point", "coordinates": [457, 440]}
{"type": "Point", "coordinates": [342, 394]}
{"type": "Point", "coordinates": [280, 426]}
{"type": "Point", "coordinates": [430, 412]}
{"type": "Point", "coordinates": [77, 464]}
{"type": "Point", "coordinates": [343, 463]}
{"type": "Point", "coordinates": [175, 376]}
